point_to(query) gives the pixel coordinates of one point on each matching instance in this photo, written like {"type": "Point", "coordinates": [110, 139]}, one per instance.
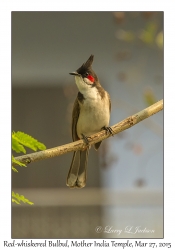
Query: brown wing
{"type": "Point", "coordinates": [97, 145]}
{"type": "Point", "coordinates": [109, 102]}
{"type": "Point", "coordinates": [75, 115]}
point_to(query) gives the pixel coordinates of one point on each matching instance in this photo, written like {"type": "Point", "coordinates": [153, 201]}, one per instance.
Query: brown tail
{"type": "Point", "coordinates": [78, 170]}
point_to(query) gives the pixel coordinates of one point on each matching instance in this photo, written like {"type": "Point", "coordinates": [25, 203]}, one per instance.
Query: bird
{"type": "Point", "coordinates": [90, 115]}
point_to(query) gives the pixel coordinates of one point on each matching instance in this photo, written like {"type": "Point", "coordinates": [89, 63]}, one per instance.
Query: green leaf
{"type": "Point", "coordinates": [18, 198]}
{"type": "Point", "coordinates": [16, 146]}
{"type": "Point", "coordinates": [17, 162]}
{"type": "Point", "coordinates": [28, 141]}
{"type": "Point", "coordinates": [19, 140]}
{"type": "Point", "coordinates": [15, 201]}
{"type": "Point", "coordinates": [14, 169]}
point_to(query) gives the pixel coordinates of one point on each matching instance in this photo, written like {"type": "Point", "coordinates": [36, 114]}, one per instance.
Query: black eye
{"type": "Point", "coordinates": [86, 74]}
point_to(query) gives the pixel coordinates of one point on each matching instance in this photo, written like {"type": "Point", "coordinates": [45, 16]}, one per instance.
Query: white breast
{"type": "Point", "coordinates": [94, 113]}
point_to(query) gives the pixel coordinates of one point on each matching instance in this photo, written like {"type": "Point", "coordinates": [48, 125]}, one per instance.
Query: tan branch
{"type": "Point", "coordinates": [80, 145]}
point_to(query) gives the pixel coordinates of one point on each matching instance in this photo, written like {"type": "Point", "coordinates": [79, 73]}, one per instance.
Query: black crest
{"type": "Point", "coordinates": [86, 67]}
{"type": "Point", "coordinates": [89, 62]}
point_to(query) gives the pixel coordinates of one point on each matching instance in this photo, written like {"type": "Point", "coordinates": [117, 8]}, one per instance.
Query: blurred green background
{"type": "Point", "coordinates": [125, 177]}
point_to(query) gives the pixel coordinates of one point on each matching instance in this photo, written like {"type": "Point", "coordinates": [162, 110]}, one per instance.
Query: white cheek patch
{"type": "Point", "coordinates": [79, 82]}
{"type": "Point", "coordinates": [86, 88]}
{"type": "Point", "coordinates": [78, 79]}
{"type": "Point", "coordinates": [82, 84]}
{"type": "Point", "coordinates": [87, 81]}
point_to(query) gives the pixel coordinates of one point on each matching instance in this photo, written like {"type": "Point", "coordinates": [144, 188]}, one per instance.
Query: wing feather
{"type": "Point", "coordinates": [75, 116]}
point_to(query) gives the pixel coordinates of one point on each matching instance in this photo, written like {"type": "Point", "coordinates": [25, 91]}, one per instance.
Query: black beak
{"type": "Point", "coordinates": [74, 74]}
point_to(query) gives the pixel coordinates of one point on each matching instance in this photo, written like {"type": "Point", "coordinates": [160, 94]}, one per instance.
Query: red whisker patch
{"type": "Point", "coordinates": [90, 78]}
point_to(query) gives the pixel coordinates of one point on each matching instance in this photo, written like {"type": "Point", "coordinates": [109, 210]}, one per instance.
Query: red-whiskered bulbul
{"type": "Point", "coordinates": [91, 114]}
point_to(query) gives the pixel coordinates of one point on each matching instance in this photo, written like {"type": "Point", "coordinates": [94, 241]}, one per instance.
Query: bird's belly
{"type": "Point", "coordinates": [92, 119]}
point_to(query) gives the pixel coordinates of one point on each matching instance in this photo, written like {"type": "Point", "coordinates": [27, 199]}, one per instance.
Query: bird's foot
{"type": "Point", "coordinates": [108, 130]}
{"type": "Point", "coordinates": [85, 138]}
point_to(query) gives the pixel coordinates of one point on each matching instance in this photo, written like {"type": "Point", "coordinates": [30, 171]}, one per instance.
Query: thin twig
{"type": "Point", "coordinates": [80, 145]}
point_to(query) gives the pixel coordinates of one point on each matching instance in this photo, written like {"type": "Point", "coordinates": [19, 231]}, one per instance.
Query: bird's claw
{"type": "Point", "coordinates": [109, 130]}
{"type": "Point", "coordinates": [85, 138]}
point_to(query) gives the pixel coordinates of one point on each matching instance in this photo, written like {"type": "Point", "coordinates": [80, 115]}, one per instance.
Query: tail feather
{"type": "Point", "coordinates": [74, 168]}
{"type": "Point", "coordinates": [97, 145]}
{"type": "Point", "coordinates": [78, 170]}
{"type": "Point", "coordinates": [82, 174]}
